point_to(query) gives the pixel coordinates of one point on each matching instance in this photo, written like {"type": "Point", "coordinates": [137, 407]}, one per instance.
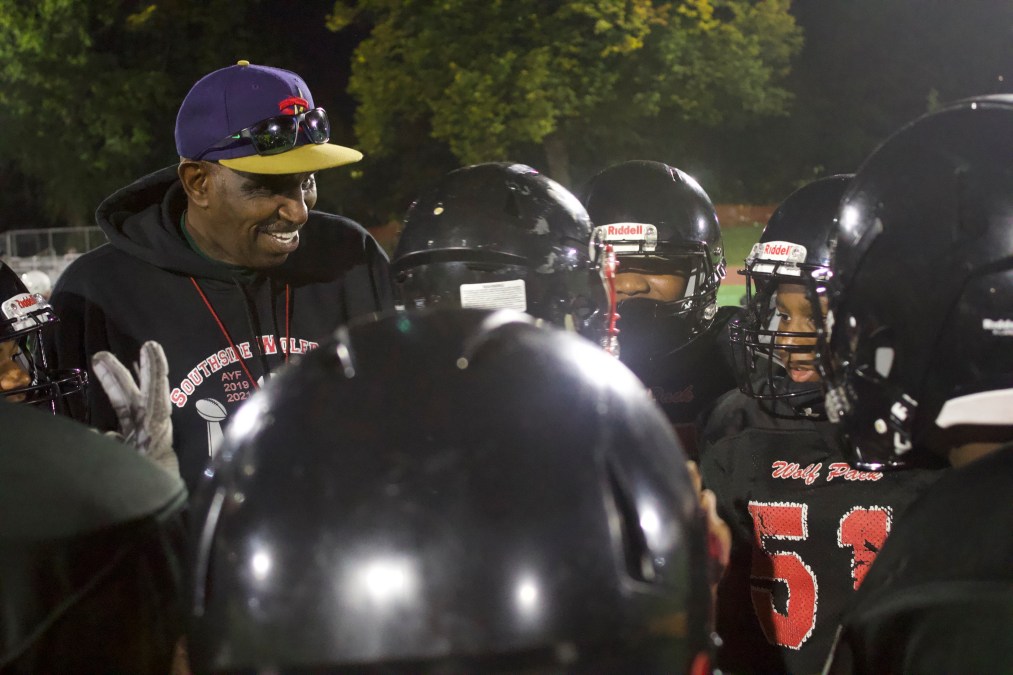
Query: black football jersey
{"type": "Point", "coordinates": [806, 526]}
{"type": "Point", "coordinates": [940, 597]}
{"type": "Point", "coordinates": [687, 381]}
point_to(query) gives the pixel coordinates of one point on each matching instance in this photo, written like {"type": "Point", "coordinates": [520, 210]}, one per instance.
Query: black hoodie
{"type": "Point", "coordinates": [222, 328]}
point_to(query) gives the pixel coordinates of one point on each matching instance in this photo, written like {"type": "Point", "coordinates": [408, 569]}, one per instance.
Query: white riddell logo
{"type": "Point", "coordinates": [782, 250]}
{"type": "Point", "coordinates": [1002, 327]}
{"type": "Point", "coordinates": [625, 237]}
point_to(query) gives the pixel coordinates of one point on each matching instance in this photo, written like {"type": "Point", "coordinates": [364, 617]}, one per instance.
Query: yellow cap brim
{"type": "Point", "coordinates": [305, 158]}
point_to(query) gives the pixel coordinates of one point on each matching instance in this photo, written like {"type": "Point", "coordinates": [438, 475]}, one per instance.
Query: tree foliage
{"type": "Point", "coordinates": [488, 77]}
{"type": "Point", "coordinates": [90, 89]}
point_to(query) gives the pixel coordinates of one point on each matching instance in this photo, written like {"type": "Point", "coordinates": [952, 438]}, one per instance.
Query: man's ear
{"type": "Point", "coordinates": [198, 181]}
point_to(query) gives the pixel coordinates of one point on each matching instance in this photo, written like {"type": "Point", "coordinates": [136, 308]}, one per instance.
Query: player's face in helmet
{"type": "Point", "coordinates": [13, 376]}
{"type": "Point", "coordinates": [777, 339]}
{"type": "Point", "coordinates": [649, 281]}
{"type": "Point", "coordinates": [795, 343]}
{"type": "Point", "coordinates": [665, 234]}
{"type": "Point", "coordinates": [24, 374]}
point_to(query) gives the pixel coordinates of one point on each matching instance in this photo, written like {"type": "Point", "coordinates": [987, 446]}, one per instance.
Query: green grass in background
{"type": "Point", "coordinates": [738, 241]}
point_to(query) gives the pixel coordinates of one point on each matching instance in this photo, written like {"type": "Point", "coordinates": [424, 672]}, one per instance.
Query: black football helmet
{"type": "Point", "coordinates": [502, 236]}
{"type": "Point", "coordinates": [24, 318]}
{"type": "Point", "coordinates": [486, 495]}
{"type": "Point", "coordinates": [659, 220]}
{"type": "Point", "coordinates": [922, 293]}
{"type": "Point", "coordinates": [794, 248]}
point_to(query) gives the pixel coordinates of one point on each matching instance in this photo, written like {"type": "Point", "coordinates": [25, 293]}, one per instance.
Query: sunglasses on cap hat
{"type": "Point", "coordinates": [279, 134]}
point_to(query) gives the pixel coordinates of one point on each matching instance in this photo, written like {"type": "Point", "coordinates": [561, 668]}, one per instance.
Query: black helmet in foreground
{"type": "Point", "coordinates": [793, 256]}
{"type": "Point", "coordinates": [450, 491]}
{"type": "Point", "coordinates": [503, 236]}
{"type": "Point", "coordinates": [922, 292]}
{"type": "Point", "coordinates": [660, 222]}
{"type": "Point", "coordinates": [25, 320]}
{"type": "Point", "coordinates": [92, 551]}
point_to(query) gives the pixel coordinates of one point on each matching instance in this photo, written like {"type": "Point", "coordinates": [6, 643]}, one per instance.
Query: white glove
{"type": "Point", "coordinates": [144, 413]}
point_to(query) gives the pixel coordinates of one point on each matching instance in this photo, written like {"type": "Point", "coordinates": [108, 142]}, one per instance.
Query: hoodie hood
{"type": "Point", "coordinates": [142, 220]}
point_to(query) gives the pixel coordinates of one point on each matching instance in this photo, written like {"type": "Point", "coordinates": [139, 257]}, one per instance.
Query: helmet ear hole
{"type": "Point", "coordinates": [879, 351]}
{"type": "Point", "coordinates": [582, 308]}
{"type": "Point", "coordinates": [511, 207]}
{"type": "Point", "coordinates": [883, 361]}
{"type": "Point", "coordinates": [205, 553]}
{"type": "Point", "coordinates": [636, 555]}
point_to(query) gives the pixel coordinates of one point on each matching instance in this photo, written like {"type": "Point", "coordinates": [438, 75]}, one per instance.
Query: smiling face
{"type": "Point", "coordinates": [795, 315]}
{"type": "Point", "coordinates": [251, 220]}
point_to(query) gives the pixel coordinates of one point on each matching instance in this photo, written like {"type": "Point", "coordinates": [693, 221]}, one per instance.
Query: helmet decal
{"type": "Point", "coordinates": [23, 309]}
{"type": "Point", "coordinates": [627, 237]}
{"type": "Point", "coordinates": [495, 295]}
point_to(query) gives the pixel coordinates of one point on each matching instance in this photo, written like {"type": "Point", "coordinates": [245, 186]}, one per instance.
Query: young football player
{"type": "Point", "coordinates": [91, 535]}
{"type": "Point", "coordinates": [25, 375]}
{"type": "Point", "coordinates": [806, 524]}
{"type": "Point", "coordinates": [920, 365]}
{"type": "Point", "coordinates": [502, 235]}
{"type": "Point", "coordinates": [665, 235]}
{"type": "Point", "coordinates": [488, 496]}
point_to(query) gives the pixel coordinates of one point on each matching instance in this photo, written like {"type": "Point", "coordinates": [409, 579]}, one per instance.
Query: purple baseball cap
{"type": "Point", "coordinates": [225, 102]}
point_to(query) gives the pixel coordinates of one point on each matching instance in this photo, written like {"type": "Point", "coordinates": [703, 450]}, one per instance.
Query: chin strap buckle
{"type": "Point", "coordinates": [837, 403]}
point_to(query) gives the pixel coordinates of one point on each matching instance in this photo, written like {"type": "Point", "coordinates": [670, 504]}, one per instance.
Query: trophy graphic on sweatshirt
{"type": "Point", "coordinates": [214, 413]}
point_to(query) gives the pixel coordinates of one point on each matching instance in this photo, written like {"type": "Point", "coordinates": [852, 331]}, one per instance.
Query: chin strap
{"type": "Point", "coordinates": [610, 263]}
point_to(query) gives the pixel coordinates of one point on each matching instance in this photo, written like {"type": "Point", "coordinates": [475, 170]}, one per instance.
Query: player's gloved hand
{"type": "Point", "coordinates": [143, 412]}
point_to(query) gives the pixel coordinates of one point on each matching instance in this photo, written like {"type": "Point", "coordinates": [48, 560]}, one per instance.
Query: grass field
{"type": "Point", "coordinates": [738, 242]}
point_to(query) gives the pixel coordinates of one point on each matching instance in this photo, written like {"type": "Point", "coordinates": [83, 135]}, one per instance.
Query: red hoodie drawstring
{"type": "Point", "coordinates": [232, 343]}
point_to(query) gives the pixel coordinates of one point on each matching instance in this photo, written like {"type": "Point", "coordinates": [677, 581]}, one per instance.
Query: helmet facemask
{"type": "Point", "coordinates": [23, 318]}
{"type": "Point", "coordinates": [774, 362]}
{"type": "Point", "coordinates": [650, 327]}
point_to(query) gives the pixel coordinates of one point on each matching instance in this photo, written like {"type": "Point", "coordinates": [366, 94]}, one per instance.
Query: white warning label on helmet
{"type": "Point", "coordinates": [495, 295]}
{"type": "Point", "coordinates": [626, 237]}
{"type": "Point", "coordinates": [781, 250]}
{"type": "Point", "coordinates": [18, 310]}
